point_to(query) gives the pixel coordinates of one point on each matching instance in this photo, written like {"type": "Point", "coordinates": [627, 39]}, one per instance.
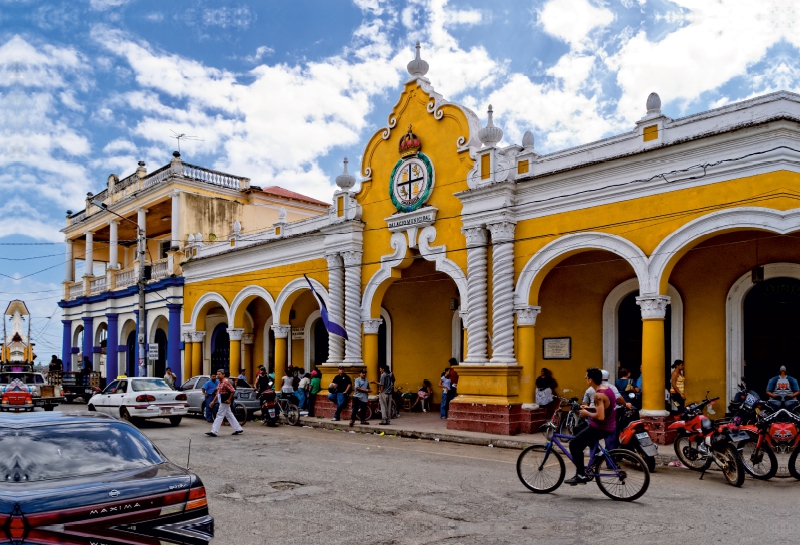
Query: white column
{"type": "Point", "coordinates": [176, 195]}
{"type": "Point", "coordinates": [478, 322]}
{"type": "Point", "coordinates": [89, 255]}
{"type": "Point", "coordinates": [112, 244]}
{"type": "Point", "coordinates": [142, 222]}
{"type": "Point", "coordinates": [69, 275]}
{"type": "Point", "coordinates": [352, 306]}
{"type": "Point", "coordinates": [503, 292]}
{"type": "Point", "coordinates": [335, 306]}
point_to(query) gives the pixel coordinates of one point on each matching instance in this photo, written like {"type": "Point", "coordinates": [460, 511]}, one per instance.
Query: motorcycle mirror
{"type": "Point", "coordinates": [632, 395]}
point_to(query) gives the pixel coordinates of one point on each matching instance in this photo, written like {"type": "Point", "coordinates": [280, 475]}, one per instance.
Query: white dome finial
{"type": "Point", "coordinates": [653, 104]}
{"type": "Point", "coordinates": [527, 140]}
{"type": "Point", "coordinates": [417, 68]}
{"type": "Point", "coordinates": [490, 135]}
{"type": "Point", "coordinates": [345, 180]}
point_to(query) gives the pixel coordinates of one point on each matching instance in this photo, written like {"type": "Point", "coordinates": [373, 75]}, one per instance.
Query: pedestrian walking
{"type": "Point", "coordinates": [315, 387]}
{"type": "Point", "coordinates": [210, 390]}
{"type": "Point", "coordinates": [169, 378]}
{"type": "Point", "coordinates": [360, 399]}
{"type": "Point", "coordinates": [385, 391]}
{"type": "Point", "coordinates": [339, 390]}
{"type": "Point", "coordinates": [225, 394]}
{"type": "Point", "coordinates": [444, 384]}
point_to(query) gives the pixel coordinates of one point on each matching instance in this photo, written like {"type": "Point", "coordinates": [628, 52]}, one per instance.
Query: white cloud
{"type": "Point", "coordinates": [260, 53]}
{"type": "Point", "coordinates": [225, 17]}
{"type": "Point", "coordinates": [156, 17]}
{"type": "Point", "coordinates": [573, 20]}
{"type": "Point", "coordinates": [120, 144]}
{"type": "Point", "coordinates": [102, 5]}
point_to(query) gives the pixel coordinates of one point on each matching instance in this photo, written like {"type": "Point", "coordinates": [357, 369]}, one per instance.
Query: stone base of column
{"type": "Point", "coordinates": [325, 408]}
{"type": "Point", "coordinates": [495, 419]}
{"type": "Point", "coordinates": [657, 426]}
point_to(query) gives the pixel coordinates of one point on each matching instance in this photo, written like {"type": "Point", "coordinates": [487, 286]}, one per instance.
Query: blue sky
{"type": "Point", "coordinates": [281, 91]}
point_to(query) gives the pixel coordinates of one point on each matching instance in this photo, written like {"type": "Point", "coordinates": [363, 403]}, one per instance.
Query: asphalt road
{"type": "Point", "coordinates": [299, 485]}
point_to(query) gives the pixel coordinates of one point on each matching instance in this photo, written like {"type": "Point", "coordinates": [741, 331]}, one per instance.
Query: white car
{"type": "Point", "coordinates": [131, 398]}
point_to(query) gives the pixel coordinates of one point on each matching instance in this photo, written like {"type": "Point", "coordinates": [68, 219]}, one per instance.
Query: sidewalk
{"type": "Point", "coordinates": [430, 426]}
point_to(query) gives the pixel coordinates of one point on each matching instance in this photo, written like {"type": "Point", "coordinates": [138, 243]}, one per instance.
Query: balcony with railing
{"type": "Point", "coordinates": [118, 279]}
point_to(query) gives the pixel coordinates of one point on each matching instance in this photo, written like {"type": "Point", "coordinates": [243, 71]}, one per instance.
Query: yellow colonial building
{"type": "Point", "coordinates": [672, 241]}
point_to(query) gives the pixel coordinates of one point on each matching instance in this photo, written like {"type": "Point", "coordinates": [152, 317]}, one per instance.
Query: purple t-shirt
{"type": "Point", "coordinates": [610, 422]}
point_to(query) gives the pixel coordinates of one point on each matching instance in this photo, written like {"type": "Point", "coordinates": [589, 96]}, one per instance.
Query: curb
{"type": "Point", "coordinates": [499, 442]}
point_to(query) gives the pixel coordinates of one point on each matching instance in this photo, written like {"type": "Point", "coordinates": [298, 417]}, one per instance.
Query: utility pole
{"type": "Point", "coordinates": [141, 243]}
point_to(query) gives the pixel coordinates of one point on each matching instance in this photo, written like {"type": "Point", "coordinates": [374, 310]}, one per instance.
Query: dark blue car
{"type": "Point", "coordinates": [81, 477]}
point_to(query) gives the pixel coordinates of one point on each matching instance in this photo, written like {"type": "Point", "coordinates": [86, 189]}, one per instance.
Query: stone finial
{"type": "Point", "coordinates": [490, 135]}
{"type": "Point", "coordinates": [527, 140]}
{"type": "Point", "coordinates": [282, 215]}
{"type": "Point", "coordinates": [345, 180]}
{"type": "Point", "coordinates": [653, 104]}
{"type": "Point", "coordinates": [417, 68]}
{"type": "Point", "coordinates": [141, 172]}
{"type": "Point", "coordinates": [191, 238]}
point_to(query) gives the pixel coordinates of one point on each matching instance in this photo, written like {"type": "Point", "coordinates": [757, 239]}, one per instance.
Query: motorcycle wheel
{"type": "Point", "coordinates": [760, 463]}
{"type": "Point", "coordinates": [793, 465]}
{"type": "Point", "coordinates": [733, 468]}
{"type": "Point", "coordinates": [649, 460]}
{"type": "Point", "coordinates": [687, 453]}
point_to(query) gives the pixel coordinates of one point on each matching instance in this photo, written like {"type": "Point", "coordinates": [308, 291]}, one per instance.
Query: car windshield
{"type": "Point", "coordinates": [58, 451]}
{"type": "Point", "coordinates": [25, 378]}
{"type": "Point", "coordinates": [241, 383]}
{"type": "Point", "coordinates": [149, 384]}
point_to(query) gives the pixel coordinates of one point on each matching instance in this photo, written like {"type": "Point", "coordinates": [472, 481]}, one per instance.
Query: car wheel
{"type": "Point", "coordinates": [125, 415]}
{"type": "Point", "coordinates": [174, 420]}
{"type": "Point", "coordinates": [89, 408]}
{"type": "Point", "coordinates": [49, 407]}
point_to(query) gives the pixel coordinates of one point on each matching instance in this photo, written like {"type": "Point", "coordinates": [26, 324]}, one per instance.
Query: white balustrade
{"type": "Point", "coordinates": [75, 289]}
{"type": "Point", "coordinates": [98, 284]}
{"type": "Point", "coordinates": [126, 277]}
{"type": "Point", "coordinates": [160, 269]}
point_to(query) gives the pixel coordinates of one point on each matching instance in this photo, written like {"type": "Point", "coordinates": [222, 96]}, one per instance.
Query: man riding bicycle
{"type": "Point", "coordinates": [601, 420]}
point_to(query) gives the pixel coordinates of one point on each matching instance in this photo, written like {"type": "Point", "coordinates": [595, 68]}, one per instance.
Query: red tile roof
{"type": "Point", "coordinates": [285, 193]}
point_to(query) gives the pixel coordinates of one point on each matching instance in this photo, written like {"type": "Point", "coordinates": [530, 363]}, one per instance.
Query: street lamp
{"type": "Point", "coordinates": [141, 248]}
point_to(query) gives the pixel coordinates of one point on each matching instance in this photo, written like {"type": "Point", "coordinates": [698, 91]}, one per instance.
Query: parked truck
{"type": "Point", "coordinates": [16, 378]}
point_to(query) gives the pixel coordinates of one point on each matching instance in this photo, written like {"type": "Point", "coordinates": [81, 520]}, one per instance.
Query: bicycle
{"type": "Point", "coordinates": [288, 410]}
{"type": "Point", "coordinates": [239, 412]}
{"type": "Point", "coordinates": [541, 469]}
{"type": "Point", "coordinates": [558, 421]}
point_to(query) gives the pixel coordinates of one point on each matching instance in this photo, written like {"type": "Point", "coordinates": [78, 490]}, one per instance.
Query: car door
{"type": "Point", "coordinates": [115, 400]}
{"type": "Point", "coordinates": [198, 395]}
{"type": "Point", "coordinates": [100, 401]}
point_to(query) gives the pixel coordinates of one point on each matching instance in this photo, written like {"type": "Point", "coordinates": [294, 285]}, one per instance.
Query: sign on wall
{"type": "Point", "coordinates": [152, 352]}
{"type": "Point", "coordinates": [557, 348]}
{"type": "Point", "coordinates": [298, 333]}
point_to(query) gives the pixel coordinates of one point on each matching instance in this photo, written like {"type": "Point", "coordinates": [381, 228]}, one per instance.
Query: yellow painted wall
{"type": "Point", "coordinates": [703, 277]}
{"type": "Point", "coordinates": [419, 307]}
{"type": "Point", "coordinates": [438, 139]}
{"type": "Point", "coordinates": [647, 221]}
{"type": "Point", "coordinates": [572, 298]}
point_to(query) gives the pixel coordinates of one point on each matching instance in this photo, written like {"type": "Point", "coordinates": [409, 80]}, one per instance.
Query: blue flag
{"type": "Point", "coordinates": [332, 327]}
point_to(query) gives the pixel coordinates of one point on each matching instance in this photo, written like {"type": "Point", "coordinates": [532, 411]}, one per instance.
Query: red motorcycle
{"type": "Point", "coordinates": [701, 442]}
{"type": "Point", "coordinates": [633, 436]}
{"type": "Point", "coordinates": [777, 431]}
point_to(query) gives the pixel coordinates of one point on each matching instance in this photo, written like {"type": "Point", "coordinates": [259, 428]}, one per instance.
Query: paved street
{"type": "Point", "coordinates": [300, 485]}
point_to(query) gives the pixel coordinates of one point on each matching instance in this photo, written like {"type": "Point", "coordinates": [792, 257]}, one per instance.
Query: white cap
{"type": "Point", "coordinates": [605, 375]}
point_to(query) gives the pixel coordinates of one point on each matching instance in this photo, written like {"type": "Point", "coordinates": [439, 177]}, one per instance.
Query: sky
{"type": "Point", "coordinates": [280, 92]}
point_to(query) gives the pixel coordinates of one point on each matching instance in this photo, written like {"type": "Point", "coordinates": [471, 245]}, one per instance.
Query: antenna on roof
{"type": "Point", "coordinates": [185, 137]}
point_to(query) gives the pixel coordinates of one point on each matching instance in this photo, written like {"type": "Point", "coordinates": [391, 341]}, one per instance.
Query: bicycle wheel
{"type": "Point", "coordinates": [292, 414]}
{"type": "Point", "coordinates": [732, 466]}
{"type": "Point", "coordinates": [368, 413]}
{"type": "Point", "coordinates": [761, 463]}
{"type": "Point", "coordinates": [541, 471]}
{"type": "Point", "coordinates": [240, 413]}
{"type": "Point", "coordinates": [794, 466]}
{"type": "Point", "coordinates": [552, 426]}
{"type": "Point", "coordinates": [569, 425]}
{"type": "Point", "coordinates": [628, 482]}
{"type": "Point", "coordinates": [687, 453]}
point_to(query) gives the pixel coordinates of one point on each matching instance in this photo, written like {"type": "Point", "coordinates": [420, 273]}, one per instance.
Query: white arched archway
{"type": "Point", "coordinates": [156, 319]}
{"type": "Point", "coordinates": [764, 219]}
{"type": "Point", "coordinates": [265, 337]}
{"type": "Point", "coordinates": [298, 284]}
{"type": "Point", "coordinates": [309, 340]}
{"type": "Point", "coordinates": [581, 241]}
{"type": "Point", "coordinates": [388, 262]}
{"type": "Point", "coordinates": [252, 291]}
{"type": "Point", "coordinates": [387, 320]}
{"type": "Point", "coordinates": [205, 299]}
{"type": "Point", "coordinates": [611, 323]}
{"type": "Point", "coordinates": [457, 336]}
{"type": "Point", "coordinates": [734, 318]}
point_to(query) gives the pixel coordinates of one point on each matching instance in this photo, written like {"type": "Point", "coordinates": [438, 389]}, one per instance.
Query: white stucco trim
{"type": "Point", "coordinates": [457, 335]}
{"type": "Point", "coordinates": [438, 255]}
{"type": "Point", "coordinates": [611, 323]}
{"type": "Point", "coordinates": [388, 262]}
{"type": "Point", "coordinates": [589, 241]}
{"type": "Point", "coordinates": [250, 291]}
{"type": "Point", "coordinates": [265, 336]}
{"type": "Point", "coordinates": [154, 317]}
{"type": "Point", "coordinates": [298, 284]}
{"type": "Point", "coordinates": [764, 219]}
{"type": "Point", "coordinates": [387, 320]}
{"type": "Point", "coordinates": [734, 319]}
{"type": "Point", "coordinates": [206, 298]}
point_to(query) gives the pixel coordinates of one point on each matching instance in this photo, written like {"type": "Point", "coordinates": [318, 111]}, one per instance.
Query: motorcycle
{"type": "Point", "coordinates": [633, 436]}
{"type": "Point", "coordinates": [701, 442]}
{"type": "Point", "coordinates": [783, 401]}
{"type": "Point", "coordinates": [777, 431]}
{"type": "Point", "coordinates": [746, 404]}
{"type": "Point", "coordinates": [269, 408]}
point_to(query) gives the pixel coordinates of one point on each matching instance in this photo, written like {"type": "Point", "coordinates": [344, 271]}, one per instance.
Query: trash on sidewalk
{"type": "Point", "coordinates": [676, 463]}
{"type": "Point", "coordinates": [490, 446]}
{"type": "Point", "coordinates": [435, 438]}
